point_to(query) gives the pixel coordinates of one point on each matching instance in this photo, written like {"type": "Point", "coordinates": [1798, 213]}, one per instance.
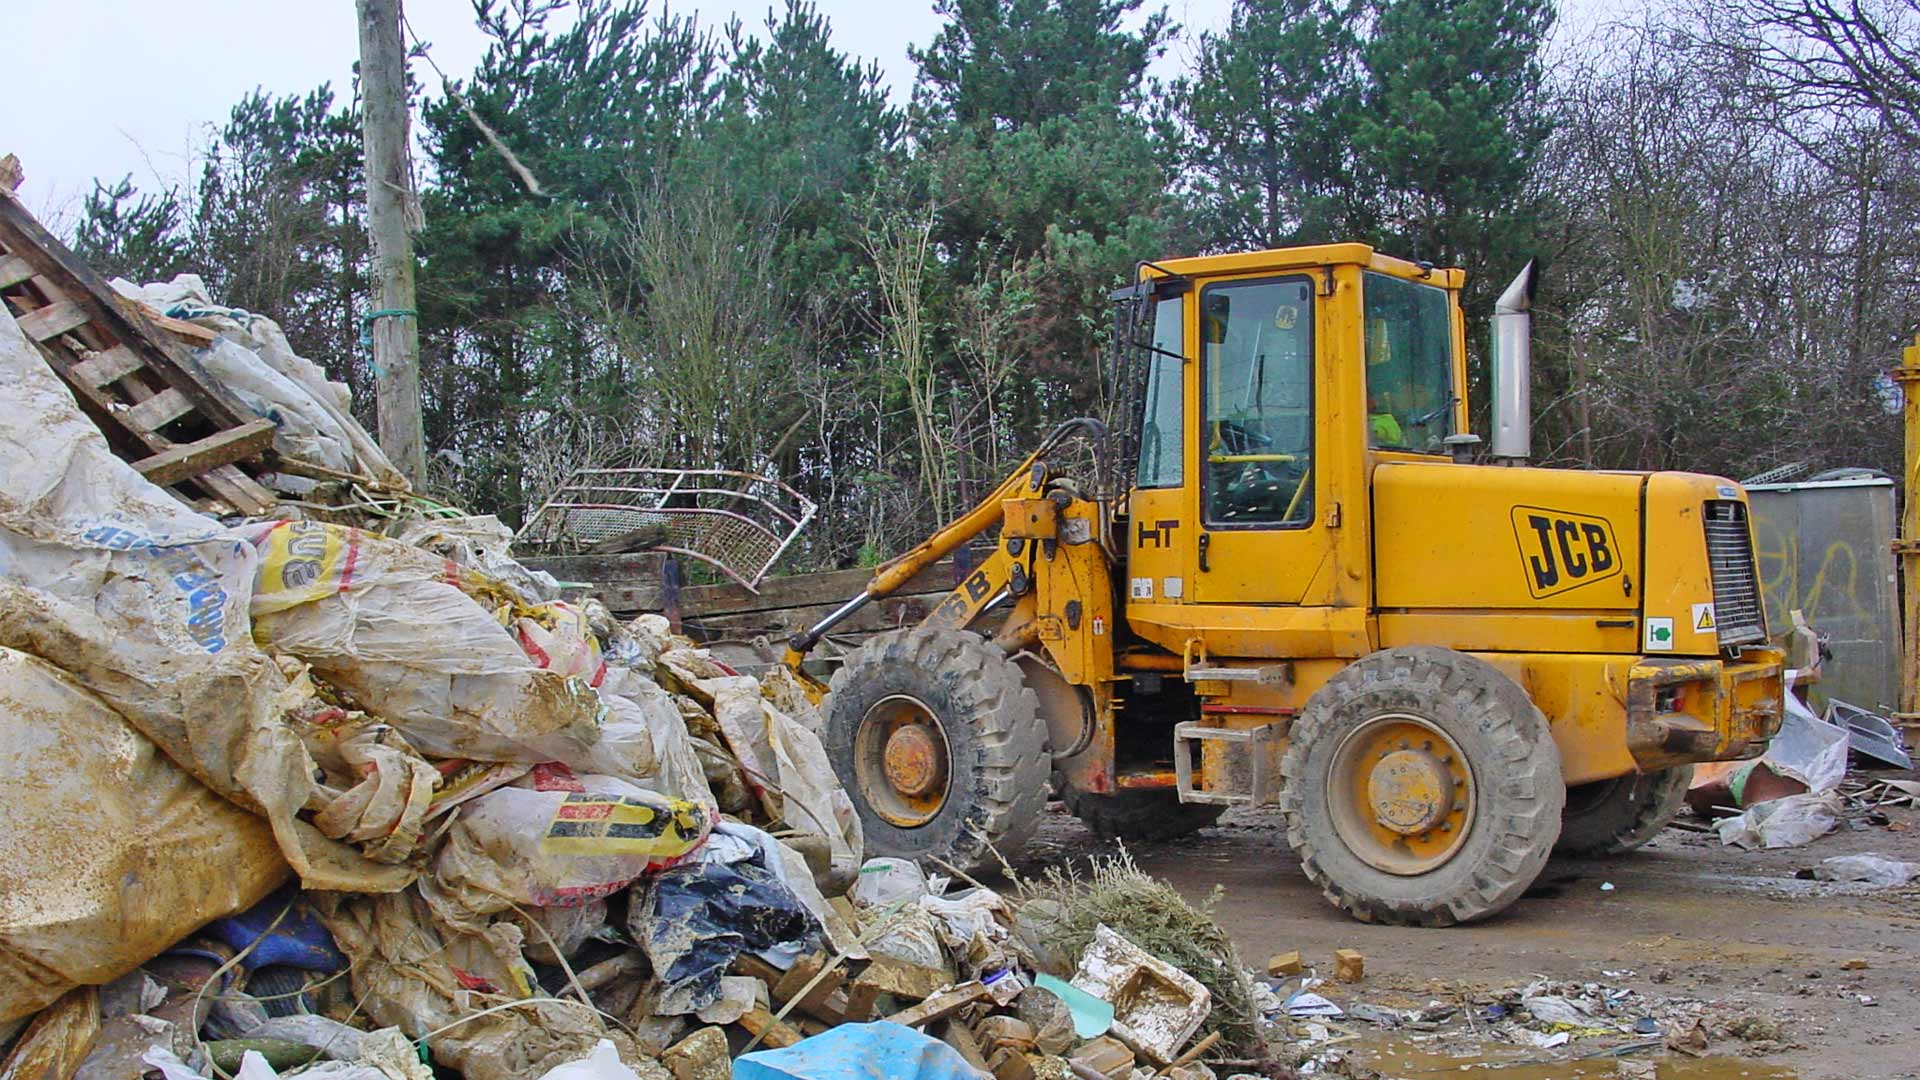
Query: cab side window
{"type": "Point", "coordinates": [1161, 462]}
{"type": "Point", "coordinates": [1409, 341]}
{"type": "Point", "coordinates": [1257, 393]}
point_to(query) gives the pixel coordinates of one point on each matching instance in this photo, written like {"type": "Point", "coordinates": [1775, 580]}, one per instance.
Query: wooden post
{"type": "Point", "coordinates": [391, 203]}
{"type": "Point", "coordinates": [1907, 547]}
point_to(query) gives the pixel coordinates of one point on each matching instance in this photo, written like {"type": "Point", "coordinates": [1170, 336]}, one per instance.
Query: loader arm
{"type": "Point", "coordinates": [1027, 480]}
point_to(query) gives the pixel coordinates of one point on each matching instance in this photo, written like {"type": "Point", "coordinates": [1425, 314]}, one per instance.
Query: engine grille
{"type": "Point", "coordinates": [1736, 591]}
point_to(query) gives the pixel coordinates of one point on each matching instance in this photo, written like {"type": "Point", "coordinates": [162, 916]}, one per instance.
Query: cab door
{"type": "Point", "coordinates": [1261, 534]}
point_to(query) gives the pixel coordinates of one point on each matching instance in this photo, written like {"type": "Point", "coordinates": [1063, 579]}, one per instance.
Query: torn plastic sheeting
{"type": "Point", "coordinates": [812, 797]}
{"type": "Point", "coordinates": [735, 840]}
{"type": "Point", "coordinates": [1808, 749]}
{"type": "Point", "coordinates": [859, 1052]}
{"type": "Point", "coordinates": [144, 603]}
{"type": "Point", "coordinates": [144, 852]}
{"type": "Point", "coordinates": [411, 975]}
{"type": "Point", "coordinates": [384, 1055]}
{"type": "Point", "coordinates": [186, 297]}
{"type": "Point", "coordinates": [303, 428]}
{"type": "Point", "coordinates": [482, 542]}
{"type": "Point", "coordinates": [643, 736]}
{"type": "Point", "coordinates": [785, 761]}
{"type": "Point", "coordinates": [885, 880]}
{"type": "Point", "coordinates": [1781, 823]}
{"type": "Point", "coordinates": [555, 636]}
{"type": "Point", "coordinates": [696, 918]}
{"type": "Point", "coordinates": [979, 913]}
{"type": "Point", "coordinates": [396, 632]}
{"type": "Point", "coordinates": [557, 839]}
{"type": "Point", "coordinates": [388, 786]}
{"type": "Point", "coordinates": [1869, 868]}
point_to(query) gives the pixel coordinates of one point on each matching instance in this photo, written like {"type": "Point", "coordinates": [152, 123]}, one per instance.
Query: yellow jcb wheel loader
{"type": "Point", "coordinates": [1284, 583]}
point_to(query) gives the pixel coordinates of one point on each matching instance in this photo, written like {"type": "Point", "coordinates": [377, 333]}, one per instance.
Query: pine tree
{"type": "Point", "coordinates": [1267, 117]}
{"type": "Point", "coordinates": [1011, 63]}
{"type": "Point", "coordinates": [1451, 128]}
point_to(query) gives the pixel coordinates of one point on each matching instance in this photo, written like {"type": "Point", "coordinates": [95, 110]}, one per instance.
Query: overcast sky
{"type": "Point", "coordinates": [135, 85]}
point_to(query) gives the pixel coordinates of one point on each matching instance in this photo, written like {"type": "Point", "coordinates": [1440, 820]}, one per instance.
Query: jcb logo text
{"type": "Point", "coordinates": [1561, 550]}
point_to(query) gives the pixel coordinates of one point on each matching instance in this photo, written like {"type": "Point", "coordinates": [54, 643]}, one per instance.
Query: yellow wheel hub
{"type": "Point", "coordinates": [900, 758]}
{"type": "Point", "coordinates": [1401, 794]}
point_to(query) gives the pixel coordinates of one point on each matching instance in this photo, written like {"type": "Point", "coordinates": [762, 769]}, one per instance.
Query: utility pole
{"type": "Point", "coordinates": [392, 210]}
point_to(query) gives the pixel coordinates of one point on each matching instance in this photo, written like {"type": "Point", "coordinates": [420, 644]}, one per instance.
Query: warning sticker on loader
{"type": "Point", "coordinates": [1703, 618]}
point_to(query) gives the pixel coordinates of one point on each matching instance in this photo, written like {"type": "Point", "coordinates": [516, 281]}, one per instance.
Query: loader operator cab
{"type": "Point", "coordinates": [1439, 672]}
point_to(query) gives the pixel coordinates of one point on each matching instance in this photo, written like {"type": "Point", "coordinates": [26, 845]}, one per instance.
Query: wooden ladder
{"type": "Point", "coordinates": [158, 410]}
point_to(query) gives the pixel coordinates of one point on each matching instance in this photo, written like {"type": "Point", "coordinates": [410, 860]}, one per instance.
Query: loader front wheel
{"type": "Point", "coordinates": [940, 745]}
{"type": "Point", "coordinates": [1613, 817]}
{"type": "Point", "coordinates": [1422, 788]}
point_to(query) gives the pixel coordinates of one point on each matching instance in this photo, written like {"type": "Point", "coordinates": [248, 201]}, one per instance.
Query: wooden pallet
{"type": "Point", "coordinates": [159, 412]}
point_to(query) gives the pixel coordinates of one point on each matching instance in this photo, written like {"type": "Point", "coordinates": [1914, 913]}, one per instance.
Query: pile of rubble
{"type": "Point", "coordinates": [290, 797]}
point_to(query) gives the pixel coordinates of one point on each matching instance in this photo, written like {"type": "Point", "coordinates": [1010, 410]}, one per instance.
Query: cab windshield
{"type": "Point", "coordinates": [1409, 346]}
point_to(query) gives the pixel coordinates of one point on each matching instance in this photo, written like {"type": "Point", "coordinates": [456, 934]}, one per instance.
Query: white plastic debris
{"type": "Point", "coordinates": [601, 1063]}
{"type": "Point", "coordinates": [884, 881]}
{"type": "Point", "coordinates": [1808, 749]}
{"type": "Point", "coordinates": [1782, 823]}
{"type": "Point", "coordinates": [1554, 1009]}
{"type": "Point", "coordinates": [1868, 868]}
{"type": "Point", "coordinates": [1307, 1004]}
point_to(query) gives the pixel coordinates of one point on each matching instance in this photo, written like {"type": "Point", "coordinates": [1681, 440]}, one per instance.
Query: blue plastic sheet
{"type": "Point", "coordinates": [876, 1051]}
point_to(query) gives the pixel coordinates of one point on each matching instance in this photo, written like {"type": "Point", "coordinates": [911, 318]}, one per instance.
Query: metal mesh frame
{"type": "Point", "coordinates": [737, 522]}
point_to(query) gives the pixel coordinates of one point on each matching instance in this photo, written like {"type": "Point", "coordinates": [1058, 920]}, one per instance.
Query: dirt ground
{"type": "Point", "coordinates": [1685, 919]}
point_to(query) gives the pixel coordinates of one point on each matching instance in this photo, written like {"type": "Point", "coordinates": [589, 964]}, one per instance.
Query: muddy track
{"type": "Point", "coordinates": [1686, 916]}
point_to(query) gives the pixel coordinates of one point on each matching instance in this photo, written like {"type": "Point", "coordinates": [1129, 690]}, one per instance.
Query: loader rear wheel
{"type": "Point", "coordinates": [1141, 815]}
{"type": "Point", "coordinates": [940, 745]}
{"type": "Point", "coordinates": [1422, 788]}
{"type": "Point", "coordinates": [1612, 817]}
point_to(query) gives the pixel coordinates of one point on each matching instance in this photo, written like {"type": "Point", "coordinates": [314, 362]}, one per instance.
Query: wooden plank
{"type": "Point", "coordinates": [101, 368]}
{"type": "Point", "coordinates": [241, 491]}
{"type": "Point", "coordinates": [941, 1005]}
{"type": "Point", "coordinates": [28, 239]}
{"type": "Point", "coordinates": [13, 271]}
{"type": "Point", "coordinates": [160, 410]}
{"type": "Point", "coordinates": [815, 1002]}
{"type": "Point", "coordinates": [201, 455]}
{"type": "Point", "coordinates": [193, 334]}
{"type": "Point", "coordinates": [760, 1024]}
{"type": "Point", "coordinates": [51, 321]}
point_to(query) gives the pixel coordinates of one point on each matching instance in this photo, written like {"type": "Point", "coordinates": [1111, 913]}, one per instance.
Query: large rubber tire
{"type": "Point", "coordinates": [1514, 817]}
{"type": "Point", "coordinates": [1141, 815]}
{"type": "Point", "coordinates": [1612, 817]}
{"type": "Point", "coordinates": [997, 760]}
